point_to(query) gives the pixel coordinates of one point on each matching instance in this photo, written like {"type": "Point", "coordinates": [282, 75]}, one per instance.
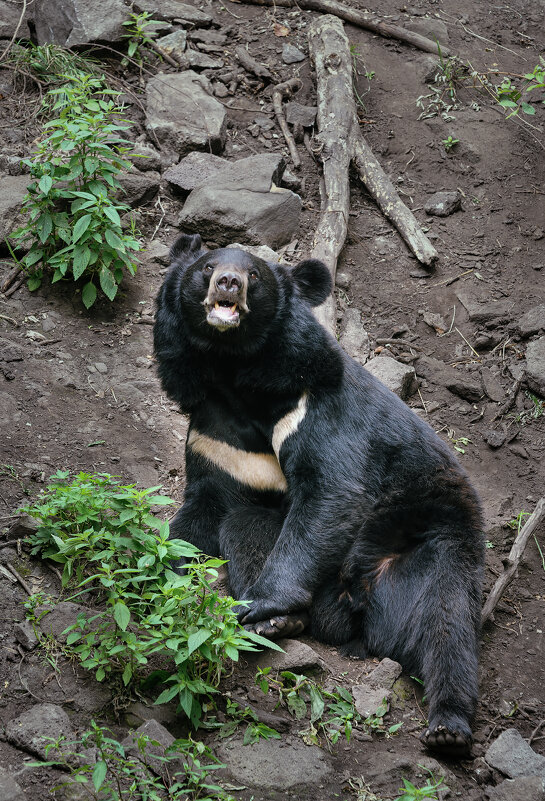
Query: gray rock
{"type": "Point", "coordinates": [30, 730]}
{"type": "Point", "coordinates": [368, 699]}
{"type": "Point", "coordinates": [14, 189]}
{"type": "Point", "coordinates": [153, 753]}
{"type": "Point", "coordinates": [193, 170]}
{"type": "Point", "coordinates": [11, 165]}
{"type": "Point", "coordinates": [535, 366]}
{"type": "Point", "coordinates": [343, 280]}
{"type": "Point", "coordinates": [275, 764]}
{"type": "Point", "coordinates": [512, 755]}
{"type": "Point", "coordinates": [156, 251]}
{"type": "Point", "coordinates": [183, 115]}
{"type": "Point", "coordinates": [195, 59]}
{"type": "Point", "coordinates": [482, 310]}
{"type": "Point", "coordinates": [210, 37]}
{"type": "Point", "coordinates": [9, 789]}
{"type": "Point", "coordinates": [60, 617]}
{"type": "Point", "coordinates": [261, 251]}
{"type": "Point", "coordinates": [173, 10]}
{"type": "Point", "coordinates": [434, 29]}
{"type": "Point", "coordinates": [386, 767]}
{"type": "Point", "coordinates": [25, 635]}
{"type": "Point", "coordinates": [244, 202]}
{"type": "Point", "coordinates": [10, 14]}
{"type": "Point", "coordinates": [435, 321]}
{"type": "Point", "coordinates": [138, 188]}
{"type": "Point", "coordinates": [296, 114]}
{"type": "Point", "coordinates": [532, 322]}
{"type": "Point", "coordinates": [398, 377]}
{"type": "Point", "coordinates": [292, 54]}
{"type": "Point", "coordinates": [385, 674]}
{"type": "Point", "coordinates": [524, 788]}
{"type": "Point", "coordinates": [297, 656]}
{"type": "Point", "coordinates": [174, 44]}
{"type": "Point", "coordinates": [494, 438]}
{"type": "Point", "coordinates": [75, 22]}
{"type": "Point", "coordinates": [354, 338]}
{"type": "Point", "coordinates": [454, 379]}
{"type": "Point", "coordinates": [145, 157]}
{"type": "Point", "coordinates": [441, 204]}
{"type": "Point", "coordinates": [491, 385]}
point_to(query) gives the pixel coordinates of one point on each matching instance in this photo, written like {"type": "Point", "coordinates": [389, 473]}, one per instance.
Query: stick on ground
{"type": "Point", "coordinates": [342, 142]}
{"type": "Point", "coordinates": [362, 19]}
{"type": "Point", "coordinates": [513, 560]}
{"type": "Point", "coordinates": [286, 89]}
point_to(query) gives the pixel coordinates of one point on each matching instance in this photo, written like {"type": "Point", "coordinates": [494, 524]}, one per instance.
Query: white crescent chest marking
{"type": "Point", "coordinates": [261, 471]}
{"type": "Point", "coordinates": [289, 424]}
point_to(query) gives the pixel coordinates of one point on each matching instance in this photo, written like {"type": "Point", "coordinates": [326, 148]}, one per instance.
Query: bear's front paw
{"type": "Point", "coordinates": [280, 626]}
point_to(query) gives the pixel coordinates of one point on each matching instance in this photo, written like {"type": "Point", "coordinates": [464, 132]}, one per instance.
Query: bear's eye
{"type": "Point", "coordinates": [207, 269]}
{"type": "Point", "coordinates": [254, 275]}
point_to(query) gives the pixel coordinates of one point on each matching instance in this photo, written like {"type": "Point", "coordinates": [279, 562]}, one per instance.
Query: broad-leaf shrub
{"type": "Point", "coordinates": [111, 545]}
{"type": "Point", "coordinates": [74, 223]}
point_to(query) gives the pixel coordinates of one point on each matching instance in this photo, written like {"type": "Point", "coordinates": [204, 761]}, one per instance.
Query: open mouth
{"type": "Point", "coordinates": [224, 314]}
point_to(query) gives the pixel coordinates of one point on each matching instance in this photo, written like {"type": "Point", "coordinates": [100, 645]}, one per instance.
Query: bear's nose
{"type": "Point", "coordinates": [229, 282]}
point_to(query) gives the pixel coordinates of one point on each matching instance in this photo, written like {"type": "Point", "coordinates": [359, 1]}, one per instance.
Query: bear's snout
{"type": "Point", "coordinates": [229, 282]}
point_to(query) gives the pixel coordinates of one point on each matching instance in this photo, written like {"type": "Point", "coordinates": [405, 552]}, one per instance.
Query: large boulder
{"type": "Point", "coordinates": [76, 22]}
{"type": "Point", "coordinates": [170, 10]}
{"type": "Point", "coordinates": [10, 13]}
{"type": "Point", "coordinates": [183, 115]}
{"type": "Point", "coordinates": [14, 189]}
{"type": "Point", "coordinates": [243, 202]}
{"type": "Point", "coordinates": [535, 366]}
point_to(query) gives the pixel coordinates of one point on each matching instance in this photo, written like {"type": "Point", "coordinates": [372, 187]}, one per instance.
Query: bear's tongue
{"type": "Point", "coordinates": [226, 312]}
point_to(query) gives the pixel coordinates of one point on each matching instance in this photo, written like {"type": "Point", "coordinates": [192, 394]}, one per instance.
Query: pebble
{"type": "Point", "coordinates": [442, 204]}
{"type": "Point", "coordinates": [292, 54]}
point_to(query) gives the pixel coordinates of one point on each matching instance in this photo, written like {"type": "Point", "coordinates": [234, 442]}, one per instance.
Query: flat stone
{"type": "Point", "coordinates": [385, 674]}
{"type": "Point", "coordinates": [354, 338]}
{"type": "Point", "coordinates": [193, 170]}
{"type": "Point", "coordinates": [138, 188]}
{"type": "Point", "coordinates": [535, 366]}
{"type": "Point", "coordinates": [60, 617]}
{"type": "Point", "coordinates": [297, 114]}
{"type": "Point", "coordinates": [245, 202]}
{"type": "Point", "coordinates": [76, 22]}
{"type": "Point", "coordinates": [481, 309]}
{"type": "Point", "coordinates": [491, 385]}
{"type": "Point", "coordinates": [524, 788]}
{"type": "Point", "coordinates": [398, 377]}
{"type": "Point", "coordinates": [434, 29]}
{"type": "Point", "coordinates": [261, 251]}
{"type": "Point", "coordinates": [275, 764]}
{"type": "Point", "coordinates": [435, 321]}
{"type": "Point", "coordinates": [532, 322]}
{"type": "Point", "coordinates": [14, 189]}
{"type": "Point", "coordinates": [292, 54]}
{"type": "Point", "coordinates": [9, 789]}
{"type": "Point", "coordinates": [386, 767]}
{"type": "Point", "coordinates": [456, 381]}
{"type": "Point", "coordinates": [25, 635]}
{"type": "Point", "coordinates": [297, 656]}
{"type": "Point", "coordinates": [368, 699]}
{"type": "Point", "coordinates": [174, 43]}
{"type": "Point", "coordinates": [153, 753]}
{"type": "Point", "coordinates": [183, 114]}
{"type": "Point", "coordinates": [156, 251]}
{"type": "Point", "coordinates": [173, 10]}
{"type": "Point", "coordinates": [512, 755]}
{"type": "Point", "coordinates": [441, 204]}
{"type": "Point", "coordinates": [196, 60]}
{"type": "Point", "coordinates": [209, 37]}
{"type": "Point", "coordinates": [29, 730]}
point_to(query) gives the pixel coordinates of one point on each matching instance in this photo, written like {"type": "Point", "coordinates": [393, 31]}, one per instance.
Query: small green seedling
{"type": "Point", "coordinates": [238, 716]}
{"type": "Point", "coordinates": [458, 442]}
{"type": "Point", "coordinates": [449, 143]}
{"type": "Point", "coordinates": [426, 793]}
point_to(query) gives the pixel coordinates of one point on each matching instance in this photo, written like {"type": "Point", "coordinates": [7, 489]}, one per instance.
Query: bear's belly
{"type": "Point", "coordinates": [260, 471]}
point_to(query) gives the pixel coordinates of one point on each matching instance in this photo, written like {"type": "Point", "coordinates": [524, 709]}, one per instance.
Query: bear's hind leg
{"type": "Point", "coordinates": [423, 611]}
{"type": "Point", "coordinates": [246, 537]}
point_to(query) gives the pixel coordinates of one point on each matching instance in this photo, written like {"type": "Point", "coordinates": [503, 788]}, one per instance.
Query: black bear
{"type": "Point", "coordinates": [338, 509]}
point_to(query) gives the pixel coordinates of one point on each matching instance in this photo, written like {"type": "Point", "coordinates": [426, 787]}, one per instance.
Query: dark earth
{"type": "Point", "coordinates": [79, 389]}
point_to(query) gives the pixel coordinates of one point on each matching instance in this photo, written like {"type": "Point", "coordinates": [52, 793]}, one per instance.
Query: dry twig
{"type": "Point", "coordinates": [513, 560]}
{"type": "Point", "coordinates": [19, 578]}
{"type": "Point", "coordinates": [286, 89]}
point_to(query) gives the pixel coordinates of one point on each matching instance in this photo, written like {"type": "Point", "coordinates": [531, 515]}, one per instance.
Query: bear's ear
{"type": "Point", "coordinates": [186, 249]}
{"type": "Point", "coordinates": [313, 280]}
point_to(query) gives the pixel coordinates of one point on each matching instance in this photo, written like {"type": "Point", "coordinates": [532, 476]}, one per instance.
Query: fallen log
{"type": "Point", "coordinates": [361, 19]}
{"type": "Point", "coordinates": [511, 564]}
{"type": "Point", "coordinates": [341, 143]}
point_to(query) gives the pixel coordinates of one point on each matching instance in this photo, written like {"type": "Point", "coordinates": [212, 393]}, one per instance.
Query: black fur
{"type": "Point", "coordinates": [378, 535]}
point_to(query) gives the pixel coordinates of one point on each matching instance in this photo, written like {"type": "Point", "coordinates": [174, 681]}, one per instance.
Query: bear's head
{"type": "Point", "coordinates": [228, 296]}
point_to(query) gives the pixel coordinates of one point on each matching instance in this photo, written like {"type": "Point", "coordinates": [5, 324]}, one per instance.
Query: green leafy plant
{"type": "Point", "coordinates": [428, 792]}
{"type": "Point", "coordinates": [140, 34]}
{"type": "Point", "coordinates": [331, 713]}
{"type": "Point", "coordinates": [239, 716]}
{"type": "Point", "coordinates": [518, 521]}
{"type": "Point", "coordinates": [449, 143]}
{"type": "Point", "coordinates": [511, 93]}
{"type": "Point", "coordinates": [116, 552]}
{"type": "Point", "coordinates": [534, 412]}
{"type": "Point", "coordinates": [118, 776]}
{"type": "Point", "coordinates": [74, 224]}
{"type": "Point", "coordinates": [459, 443]}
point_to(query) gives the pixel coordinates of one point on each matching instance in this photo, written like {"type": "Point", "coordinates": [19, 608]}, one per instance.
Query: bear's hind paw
{"type": "Point", "coordinates": [280, 626]}
{"type": "Point", "coordinates": [449, 743]}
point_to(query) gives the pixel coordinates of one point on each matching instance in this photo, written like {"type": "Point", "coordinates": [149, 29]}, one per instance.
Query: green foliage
{"type": "Point", "coordinates": [238, 716]}
{"type": "Point", "coordinates": [534, 412]}
{"type": "Point", "coordinates": [140, 34]}
{"type": "Point", "coordinates": [518, 521]}
{"type": "Point", "coordinates": [118, 776]}
{"type": "Point", "coordinates": [109, 544]}
{"type": "Point", "coordinates": [74, 225]}
{"type": "Point", "coordinates": [449, 143]}
{"type": "Point", "coordinates": [458, 442]}
{"type": "Point", "coordinates": [331, 713]}
{"type": "Point", "coordinates": [425, 793]}
{"type": "Point", "coordinates": [511, 93]}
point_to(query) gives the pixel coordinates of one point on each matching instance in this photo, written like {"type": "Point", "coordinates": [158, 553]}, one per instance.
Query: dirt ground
{"type": "Point", "coordinates": [87, 397]}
